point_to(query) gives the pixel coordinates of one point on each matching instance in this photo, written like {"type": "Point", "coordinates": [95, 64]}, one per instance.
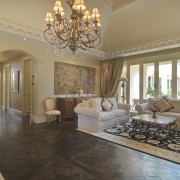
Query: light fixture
{"type": "Point", "coordinates": [76, 33]}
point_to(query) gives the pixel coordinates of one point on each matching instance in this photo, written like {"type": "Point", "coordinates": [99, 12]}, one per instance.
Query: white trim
{"type": "Point", "coordinates": [16, 111]}
{"type": "Point", "coordinates": [38, 118]}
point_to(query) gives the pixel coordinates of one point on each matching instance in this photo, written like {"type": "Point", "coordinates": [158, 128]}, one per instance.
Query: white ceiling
{"type": "Point", "coordinates": [126, 24]}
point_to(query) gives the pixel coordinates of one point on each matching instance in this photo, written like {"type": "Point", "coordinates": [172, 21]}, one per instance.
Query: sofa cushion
{"type": "Point", "coordinates": [163, 105]}
{"type": "Point", "coordinates": [107, 115]}
{"type": "Point", "coordinates": [96, 103]}
{"type": "Point", "coordinates": [119, 112]}
{"type": "Point", "coordinates": [176, 104]}
{"type": "Point", "coordinates": [106, 105]}
{"type": "Point", "coordinates": [112, 100]}
{"type": "Point", "coordinates": [86, 103]}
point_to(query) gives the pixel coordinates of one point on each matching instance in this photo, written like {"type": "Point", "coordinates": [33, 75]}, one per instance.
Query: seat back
{"type": "Point", "coordinates": [49, 104]}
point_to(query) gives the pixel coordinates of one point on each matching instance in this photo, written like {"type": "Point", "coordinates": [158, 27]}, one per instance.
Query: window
{"type": "Point", "coordinates": [148, 80]}
{"type": "Point", "coordinates": [134, 83]}
{"type": "Point", "coordinates": [165, 74]}
{"type": "Point", "coordinates": [178, 79]}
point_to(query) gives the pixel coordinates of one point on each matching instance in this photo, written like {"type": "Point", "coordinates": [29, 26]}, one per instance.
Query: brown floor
{"type": "Point", "coordinates": [58, 151]}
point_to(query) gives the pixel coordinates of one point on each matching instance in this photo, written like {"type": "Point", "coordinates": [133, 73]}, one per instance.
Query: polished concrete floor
{"type": "Point", "coordinates": [58, 151]}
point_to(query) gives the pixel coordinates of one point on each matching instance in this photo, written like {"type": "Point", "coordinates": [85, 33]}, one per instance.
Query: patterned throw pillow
{"type": "Point", "coordinates": [106, 105]}
{"type": "Point", "coordinates": [112, 100]}
{"type": "Point", "coordinates": [163, 105]}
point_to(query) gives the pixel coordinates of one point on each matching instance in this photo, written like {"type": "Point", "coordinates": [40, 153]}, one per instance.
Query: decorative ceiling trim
{"type": "Point", "coordinates": [146, 48]}
{"type": "Point", "coordinates": [108, 2]}
{"type": "Point", "coordinates": [140, 49]}
{"type": "Point", "coordinates": [36, 35]}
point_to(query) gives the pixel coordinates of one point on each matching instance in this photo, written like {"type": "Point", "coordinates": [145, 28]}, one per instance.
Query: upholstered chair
{"type": "Point", "coordinates": [51, 112]}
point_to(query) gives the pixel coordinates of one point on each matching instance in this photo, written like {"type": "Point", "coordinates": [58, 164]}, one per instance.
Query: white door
{"type": "Point", "coordinates": [27, 87]}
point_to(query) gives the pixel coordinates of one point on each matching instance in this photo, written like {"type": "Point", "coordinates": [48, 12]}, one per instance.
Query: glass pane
{"type": "Point", "coordinates": [148, 80]}
{"type": "Point", "coordinates": [165, 79]}
{"type": "Point", "coordinates": [122, 94]}
{"type": "Point", "coordinates": [178, 79]}
{"type": "Point", "coordinates": [134, 84]}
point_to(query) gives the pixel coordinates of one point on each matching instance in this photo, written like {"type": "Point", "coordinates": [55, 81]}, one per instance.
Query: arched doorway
{"type": "Point", "coordinates": [16, 74]}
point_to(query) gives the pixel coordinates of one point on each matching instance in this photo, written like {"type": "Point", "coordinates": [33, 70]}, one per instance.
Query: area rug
{"type": "Point", "coordinates": [136, 145]}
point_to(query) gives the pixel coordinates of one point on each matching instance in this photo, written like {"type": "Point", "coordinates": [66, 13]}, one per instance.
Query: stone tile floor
{"type": "Point", "coordinates": [58, 151]}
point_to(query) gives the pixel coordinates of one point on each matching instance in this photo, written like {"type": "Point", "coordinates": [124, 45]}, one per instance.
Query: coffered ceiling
{"type": "Point", "coordinates": [128, 26]}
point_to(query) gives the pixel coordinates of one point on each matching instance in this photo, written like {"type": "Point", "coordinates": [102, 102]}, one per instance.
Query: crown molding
{"type": "Point", "coordinates": [159, 45]}
{"type": "Point", "coordinates": [16, 29]}
{"type": "Point", "coordinates": [163, 44]}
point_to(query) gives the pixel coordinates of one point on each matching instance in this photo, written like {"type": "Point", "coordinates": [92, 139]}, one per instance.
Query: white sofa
{"type": "Point", "coordinates": [93, 119]}
{"type": "Point", "coordinates": [174, 112]}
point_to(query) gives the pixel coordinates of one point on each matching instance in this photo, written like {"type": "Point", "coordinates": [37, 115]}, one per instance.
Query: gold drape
{"type": "Point", "coordinates": [111, 71]}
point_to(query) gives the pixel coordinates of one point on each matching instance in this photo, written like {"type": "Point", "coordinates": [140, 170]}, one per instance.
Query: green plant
{"type": "Point", "coordinates": [178, 92]}
{"type": "Point", "coordinates": [169, 92]}
{"type": "Point", "coordinates": [150, 91]}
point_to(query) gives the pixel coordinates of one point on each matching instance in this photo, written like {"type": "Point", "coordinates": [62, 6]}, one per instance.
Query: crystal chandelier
{"type": "Point", "coordinates": [78, 32]}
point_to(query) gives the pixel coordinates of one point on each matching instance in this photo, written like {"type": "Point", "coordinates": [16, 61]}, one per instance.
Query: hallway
{"type": "Point", "coordinates": [58, 151]}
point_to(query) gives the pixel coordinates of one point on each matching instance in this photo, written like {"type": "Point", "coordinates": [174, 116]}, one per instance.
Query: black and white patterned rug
{"type": "Point", "coordinates": [170, 142]}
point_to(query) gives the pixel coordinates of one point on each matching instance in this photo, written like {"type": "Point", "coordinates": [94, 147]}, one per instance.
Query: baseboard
{"type": "Point", "coordinates": [16, 111]}
{"type": "Point", "coordinates": [37, 119]}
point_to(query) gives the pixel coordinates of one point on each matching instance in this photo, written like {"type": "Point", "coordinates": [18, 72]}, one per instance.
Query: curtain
{"type": "Point", "coordinates": [111, 71]}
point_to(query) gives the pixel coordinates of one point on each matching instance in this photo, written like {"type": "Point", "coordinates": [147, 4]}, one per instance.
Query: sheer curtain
{"type": "Point", "coordinates": [111, 71]}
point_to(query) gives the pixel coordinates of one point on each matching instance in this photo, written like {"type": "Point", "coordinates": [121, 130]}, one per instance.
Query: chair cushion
{"type": "Point", "coordinates": [106, 105]}
{"type": "Point", "coordinates": [112, 100]}
{"type": "Point", "coordinates": [119, 112]}
{"type": "Point", "coordinates": [163, 105]}
{"type": "Point", "coordinates": [107, 115]}
{"type": "Point", "coordinates": [50, 104]}
{"type": "Point", "coordinates": [53, 112]}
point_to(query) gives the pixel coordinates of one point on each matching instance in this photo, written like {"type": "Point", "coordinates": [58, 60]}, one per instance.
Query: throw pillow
{"type": "Point", "coordinates": [106, 105]}
{"type": "Point", "coordinates": [151, 102]}
{"type": "Point", "coordinates": [86, 103]}
{"type": "Point", "coordinates": [163, 105]}
{"type": "Point", "coordinates": [95, 103]}
{"type": "Point", "coordinates": [112, 100]}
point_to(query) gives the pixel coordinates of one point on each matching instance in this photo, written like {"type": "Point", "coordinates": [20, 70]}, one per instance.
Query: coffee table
{"type": "Point", "coordinates": [146, 121]}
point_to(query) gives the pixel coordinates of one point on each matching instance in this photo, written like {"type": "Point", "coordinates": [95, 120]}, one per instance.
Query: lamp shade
{"type": "Point", "coordinates": [49, 18]}
{"type": "Point", "coordinates": [95, 13]}
{"type": "Point", "coordinates": [58, 7]}
{"type": "Point", "coordinates": [79, 5]}
{"type": "Point", "coordinates": [87, 15]}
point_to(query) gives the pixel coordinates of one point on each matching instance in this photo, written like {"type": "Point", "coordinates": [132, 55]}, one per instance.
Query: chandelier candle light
{"type": "Point", "coordinates": [78, 32]}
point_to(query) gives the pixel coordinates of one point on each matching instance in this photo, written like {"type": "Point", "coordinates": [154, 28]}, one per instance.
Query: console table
{"type": "Point", "coordinates": [67, 105]}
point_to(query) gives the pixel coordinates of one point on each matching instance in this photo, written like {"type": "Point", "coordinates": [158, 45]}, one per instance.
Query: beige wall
{"type": "Point", "coordinates": [43, 62]}
{"type": "Point", "coordinates": [16, 98]}
{"type": "Point", "coordinates": [1, 87]}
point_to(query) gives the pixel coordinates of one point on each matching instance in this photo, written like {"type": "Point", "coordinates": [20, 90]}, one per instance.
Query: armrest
{"type": "Point", "coordinates": [140, 108]}
{"type": "Point", "coordinates": [126, 107]}
{"type": "Point", "coordinates": [88, 111]}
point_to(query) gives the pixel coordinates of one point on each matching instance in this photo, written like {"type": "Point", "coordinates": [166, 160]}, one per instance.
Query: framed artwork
{"type": "Point", "coordinates": [71, 79]}
{"type": "Point", "coordinates": [15, 82]}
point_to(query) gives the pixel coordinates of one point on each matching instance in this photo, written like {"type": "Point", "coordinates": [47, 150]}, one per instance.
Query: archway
{"type": "Point", "coordinates": [17, 81]}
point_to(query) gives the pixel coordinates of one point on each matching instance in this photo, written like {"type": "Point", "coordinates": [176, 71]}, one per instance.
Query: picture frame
{"type": "Point", "coordinates": [15, 82]}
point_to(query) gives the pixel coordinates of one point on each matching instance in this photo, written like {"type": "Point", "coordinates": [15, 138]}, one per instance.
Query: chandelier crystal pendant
{"type": "Point", "coordinates": [78, 32]}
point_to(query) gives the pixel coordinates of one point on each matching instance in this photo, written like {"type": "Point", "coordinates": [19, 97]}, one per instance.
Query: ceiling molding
{"type": "Point", "coordinates": [108, 2]}
{"type": "Point", "coordinates": [159, 45]}
{"type": "Point", "coordinates": [7, 26]}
